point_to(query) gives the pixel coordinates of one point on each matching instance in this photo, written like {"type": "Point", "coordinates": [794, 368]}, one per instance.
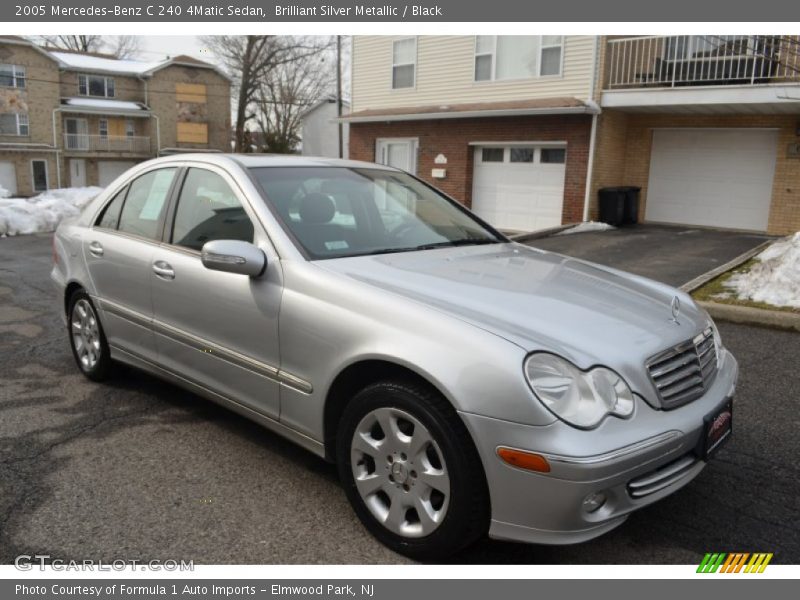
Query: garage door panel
{"type": "Point", "coordinates": [720, 178]}
{"type": "Point", "coordinates": [109, 170]}
{"type": "Point", "coordinates": [520, 196]}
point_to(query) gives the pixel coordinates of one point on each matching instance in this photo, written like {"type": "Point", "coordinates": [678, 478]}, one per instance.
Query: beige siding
{"type": "Point", "coordinates": [444, 74]}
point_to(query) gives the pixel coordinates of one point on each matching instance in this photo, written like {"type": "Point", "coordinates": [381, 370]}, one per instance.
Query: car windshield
{"type": "Point", "coordinates": [336, 211]}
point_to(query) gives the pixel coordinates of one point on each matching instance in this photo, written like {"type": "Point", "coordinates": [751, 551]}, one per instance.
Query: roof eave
{"type": "Point", "coordinates": [471, 114]}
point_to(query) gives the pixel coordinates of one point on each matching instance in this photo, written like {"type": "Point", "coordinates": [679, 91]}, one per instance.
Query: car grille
{"type": "Point", "coordinates": [660, 478]}
{"type": "Point", "coordinates": [684, 372]}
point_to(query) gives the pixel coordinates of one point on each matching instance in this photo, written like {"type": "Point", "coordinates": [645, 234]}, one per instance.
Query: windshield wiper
{"type": "Point", "coordinates": [432, 246]}
{"type": "Point", "coordinates": [460, 242]}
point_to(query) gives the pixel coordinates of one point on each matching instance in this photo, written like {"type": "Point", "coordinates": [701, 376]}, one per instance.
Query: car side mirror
{"type": "Point", "coordinates": [233, 256]}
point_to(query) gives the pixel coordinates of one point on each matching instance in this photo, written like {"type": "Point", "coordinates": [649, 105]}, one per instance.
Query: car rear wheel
{"type": "Point", "coordinates": [86, 337]}
{"type": "Point", "coordinates": [411, 470]}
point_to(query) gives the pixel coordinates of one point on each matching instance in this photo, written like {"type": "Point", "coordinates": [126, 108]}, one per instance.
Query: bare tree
{"type": "Point", "coordinates": [118, 46]}
{"type": "Point", "coordinates": [286, 93]}
{"type": "Point", "coordinates": [79, 43]}
{"type": "Point", "coordinates": [249, 60]}
{"type": "Point", "coordinates": [124, 46]}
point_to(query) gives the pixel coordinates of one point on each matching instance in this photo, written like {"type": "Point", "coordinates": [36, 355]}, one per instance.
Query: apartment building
{"type": "Point", "coordinates": [77, 119]}
{"type": "Point", "coordinates": [526, 129]}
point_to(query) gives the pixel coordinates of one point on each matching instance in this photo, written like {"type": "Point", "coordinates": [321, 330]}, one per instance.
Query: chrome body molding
{"type": "Point", "coordinates": [138, 361]}
{"type": "Point", "coordinates": [226, 354]}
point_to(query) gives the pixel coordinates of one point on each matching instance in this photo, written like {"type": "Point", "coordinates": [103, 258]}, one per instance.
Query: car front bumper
{"type": "Point", "coordinates": [633, 462]}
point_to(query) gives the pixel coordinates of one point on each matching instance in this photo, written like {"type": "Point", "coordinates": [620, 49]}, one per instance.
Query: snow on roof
{"type": "Point", "coordinates": [97, 63]}
{"type": "Point", "coordinates": [101, 103]}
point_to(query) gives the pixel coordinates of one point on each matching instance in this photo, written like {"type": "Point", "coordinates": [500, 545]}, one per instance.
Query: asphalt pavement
{"type": "Point", "coordinates": [139, 469]}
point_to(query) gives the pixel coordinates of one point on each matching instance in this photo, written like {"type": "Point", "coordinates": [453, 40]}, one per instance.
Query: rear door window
{"type": "Point", "coordinates": [109, 218]}
{"type": "Point", "coordinates": [147, 197]}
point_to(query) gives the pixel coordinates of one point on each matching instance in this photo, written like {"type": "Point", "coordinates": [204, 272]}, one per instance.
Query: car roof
{"type": "Point", "coordinates": [276, 160]}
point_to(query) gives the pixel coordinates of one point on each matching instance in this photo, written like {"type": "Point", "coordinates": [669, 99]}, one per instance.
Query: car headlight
{"type": "Point", "coordinates": [717, 342]}
{"type": "Point", "coordinates": [581, 398]}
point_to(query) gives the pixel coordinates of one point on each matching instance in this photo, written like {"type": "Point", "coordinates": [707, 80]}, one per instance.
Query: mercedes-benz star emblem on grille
{"type": "Point", "coordinates": [676, 308]}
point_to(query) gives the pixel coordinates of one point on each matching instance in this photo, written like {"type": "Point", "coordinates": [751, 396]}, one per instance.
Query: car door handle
{"type": "Point", "coordinates": [96, 249]}
{"type": "Point", "coordinates": [163, 269]}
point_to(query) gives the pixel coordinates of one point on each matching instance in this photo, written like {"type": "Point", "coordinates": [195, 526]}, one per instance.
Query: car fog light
{"type": "Point", "coordinates": [594, 501]}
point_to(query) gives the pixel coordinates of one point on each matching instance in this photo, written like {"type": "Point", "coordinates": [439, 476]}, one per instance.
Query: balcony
{"type": "Point", "coordinates": [701, 60]}
{"type": "Point", "coordinates": [120, 144]}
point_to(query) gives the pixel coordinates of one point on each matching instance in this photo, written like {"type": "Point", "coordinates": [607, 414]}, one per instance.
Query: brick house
{"type": "Point", "coordinates": [502, 123]}
{"type": "Point", "coordinates": [526, 129]}
{"type": "Point", "coordinates": [76, 119]}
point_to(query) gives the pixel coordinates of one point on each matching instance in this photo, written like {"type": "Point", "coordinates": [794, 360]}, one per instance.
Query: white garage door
{"type": "Point", "coordinates": [519, 187]}
{"type": "Point", "coordinates": [8, 177]}
{"type": "Point", "coordinates": [713, 177]}
{"type": "Point", "coordinates": [109, 170]}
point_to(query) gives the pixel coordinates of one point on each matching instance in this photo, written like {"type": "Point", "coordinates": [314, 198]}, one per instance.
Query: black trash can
{"type": "Point", "coordinates": [612, 205]}
{"type": "Point", "coordinates": [619, 205]}
{"type": "Point", "coordinates": [631, 216]}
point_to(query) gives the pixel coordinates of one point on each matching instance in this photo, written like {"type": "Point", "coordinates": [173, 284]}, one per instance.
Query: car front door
{"type": "Point", "coordinates": [118, 251]}
{"type": "Point", "coordinates": [218, 330]}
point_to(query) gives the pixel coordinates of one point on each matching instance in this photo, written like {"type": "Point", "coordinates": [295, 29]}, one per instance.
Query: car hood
{"type": "Point", "coordinates": [539, 300]}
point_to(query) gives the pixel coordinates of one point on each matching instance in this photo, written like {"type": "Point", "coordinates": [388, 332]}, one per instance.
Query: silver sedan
{"type": "Point", "coordinates": [462, 383]}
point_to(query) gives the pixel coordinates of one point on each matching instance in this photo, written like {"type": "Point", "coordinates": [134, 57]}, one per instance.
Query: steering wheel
{"type": "Point", "coordinates": [400, 231]}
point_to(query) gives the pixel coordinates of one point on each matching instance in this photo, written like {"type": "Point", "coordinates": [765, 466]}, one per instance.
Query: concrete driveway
{"type": "Point", "coordinates": [138, 469]}
{"type": "Point", "coordinates": [673, 255]}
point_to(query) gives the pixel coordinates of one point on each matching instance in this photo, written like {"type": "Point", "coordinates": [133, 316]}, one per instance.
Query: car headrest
{"type": "Point", "coordinates": [317, 208]}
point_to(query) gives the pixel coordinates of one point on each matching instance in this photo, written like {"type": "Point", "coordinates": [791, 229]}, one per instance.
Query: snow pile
{"type": "Point", "coordinates": [4, 193]}
{"type": "Point", "coordinates": [775, 278]}
{"type": "Point", "coordinates": [587, 226]}
{"type": "Point", "coordinates": [43, 212]}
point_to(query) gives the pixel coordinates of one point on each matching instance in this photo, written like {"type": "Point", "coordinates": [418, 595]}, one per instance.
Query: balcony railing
{"type": "Point", "coordinates": [686, 60]}
{"type": "Point", "coordinates": [125, 144]}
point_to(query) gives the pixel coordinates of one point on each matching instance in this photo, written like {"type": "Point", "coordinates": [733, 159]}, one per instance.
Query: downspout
{"type": "Point", "coordinates": [589, 168]}
{"type": "Point", "coordinates": [55, 145]}
{"type": "Point", "coordinates": [158, 133]}
{"type": "Point", "coordinates": [587, 198]}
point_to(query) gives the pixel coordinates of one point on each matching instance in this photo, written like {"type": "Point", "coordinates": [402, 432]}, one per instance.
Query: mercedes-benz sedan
{"type": "Point", "coordinates": [464, 384]}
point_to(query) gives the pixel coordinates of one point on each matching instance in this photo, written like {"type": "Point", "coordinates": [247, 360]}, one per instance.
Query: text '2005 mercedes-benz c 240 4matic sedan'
{"type": "Point", "coordinates": [463, 383]}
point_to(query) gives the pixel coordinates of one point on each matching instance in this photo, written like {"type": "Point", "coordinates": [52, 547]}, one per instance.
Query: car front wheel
{"type": "Point", "coordinates": [411, 471]}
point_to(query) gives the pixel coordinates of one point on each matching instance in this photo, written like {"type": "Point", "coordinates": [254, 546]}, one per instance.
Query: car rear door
{"type": "Point", "coordinates": [218, 330]}
{"type": "Point", "coordinates": [118, 250]}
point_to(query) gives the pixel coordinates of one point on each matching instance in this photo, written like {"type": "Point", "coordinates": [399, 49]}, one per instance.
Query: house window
{"type": "Point", "coordinates": [96, 85]}
{"type": "Point", "coordinates": [492, 154]}
{"type": "Point", "coordinates": [103, 128]}
{"type": "Point", "coordinates": [12, 76]}
{"type": "Point", "coordinates": [553, 155]}
{"type": "Point", "coordinates": [39, 172]}
{"type": "Point", "coordinates": [517, 56]}
{"type": "Point", "coordinates": [404, 63]}
{"type": "Point", "coordinates": [130, 128]}
{"type": "Point", "coordinates": [521, 155]}
{"type": "Point", "coordinates": [14, 124]}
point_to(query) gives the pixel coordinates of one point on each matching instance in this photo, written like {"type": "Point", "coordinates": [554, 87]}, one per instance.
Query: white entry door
{"type": "Point", "coordinates": [77, 172]}
{"type": "Point", "coordinates": [712, 177]}
{"type": "Point", "coordinates": [400, 153]}
{"type": "Point", "coordinates": [8, 177]}
{"type": "Point", "coordinates": [519, 188]}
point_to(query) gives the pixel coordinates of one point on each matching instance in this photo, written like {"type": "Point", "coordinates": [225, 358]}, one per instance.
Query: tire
{"type": "Point", "coordinates": [87, 338]}
{"type": "Point", "coordinates": [427, 468]}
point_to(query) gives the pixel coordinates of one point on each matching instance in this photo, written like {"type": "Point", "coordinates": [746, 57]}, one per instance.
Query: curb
{"type": "Point", "coordinates": [747, 315]}
{"type": "Point", "coordinates": [542, 233]}
{"type": "Point", "coordinates": [703, 279]}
